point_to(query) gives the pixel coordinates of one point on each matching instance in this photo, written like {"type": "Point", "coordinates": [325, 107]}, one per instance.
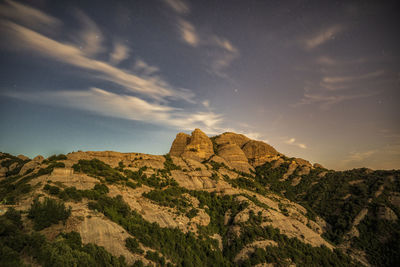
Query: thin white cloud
{"type": "Point", "coordinates": [326, 101]}
{"type": "Point", "coordinates": [344, 79]}
{"type": "Point", "coordinates": [154, 87]}
{"type": "Point", "coordinates": [224, 58]}
{"type": "Point", "coordinates": [124, 106]}
{"type": "Point", "coordinates": [152, 93]}
{"type": "Point", "coordinates": [144, 68]}
{"type": "Point", "coordinates": [225, 44]}
{"type": "Point", "coordinates": [321, 37]}
{"type": "Point", "coordinates": [292, 141]}
{"type": "Point", "coordinates": [329, 61]}
{"type": "Point", "coordinates": [120, 53]}
{"type": "Point", "coordinates": [179, 6]}
{"type": "Point", "coordinates": [90, 37]}
{"type": "Point", "coordinates": [188, 32]}
{"type": "Point", "coordinates": [28, 16]}
{"type": "Point", "coordinates": [206, 103]}
{"type": "Point", "coordinates": [359, 156]}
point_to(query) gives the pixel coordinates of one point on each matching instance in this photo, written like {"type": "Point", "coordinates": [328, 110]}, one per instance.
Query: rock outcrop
{"type": "Point", "coordinates": [179, 144]}
{"type": "Point", "coordinates": [237, 150]}
{"type": "Point", "coordinates": [259, 152]}
{"type": "Point", "coordinates": [234, 156]}
{"type": "Point", "coordinates": [234, 138]}
{"type": "Point", "coordinates": [198, 146]}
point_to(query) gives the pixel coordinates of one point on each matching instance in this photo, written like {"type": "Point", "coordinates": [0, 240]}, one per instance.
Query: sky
{"type": "Point", "coordinates": [318, 80]}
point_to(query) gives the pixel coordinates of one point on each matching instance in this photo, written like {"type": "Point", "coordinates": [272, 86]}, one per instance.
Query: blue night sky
{"type": "Point", "coordinates": [315, 79]}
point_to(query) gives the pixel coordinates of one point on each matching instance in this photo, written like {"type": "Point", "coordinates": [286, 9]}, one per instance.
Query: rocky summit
{"type": "Point", "coordinates": [225, 200]}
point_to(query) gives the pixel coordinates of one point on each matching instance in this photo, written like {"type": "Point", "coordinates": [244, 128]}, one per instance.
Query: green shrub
{"type": "Point", "coordinates": [97, 168]}
{"type": "Point", "coordinates": [47, 213]}
{"type": "Point", "coordinates": [133, 245]}
{"type": "Point", "coordinates": [53, 190]}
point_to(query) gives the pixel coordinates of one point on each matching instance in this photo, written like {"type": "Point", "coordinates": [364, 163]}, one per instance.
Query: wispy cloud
{"type": "Point", "coordinates": [90, 38]}
{"type": "Point", "coordinates": [326, 101]}
{"type": "Point", "coordinates": [225, 57]}
{"type": "Point", "coordinates": [28, 16]}
{"type": "Point", "coordinates": [344, 79]}
{"type": "Point", "coordinates": [321, 37]}
{"type": "Point", "coordinates": [120, 53]}
{"type": "Point", "coordinates": [154, 87]}
{"type": "Point", "coordinates": [144, 68]}
{"type": "Point", "coordinates": [359, 156]}
{"type": "Point", "coordinates": [332, 62]}
{"type": "Point", "coordinates": [179, 6]}
{"type": "Point", "coordinates": [188, 32]}
{"type": "Point", "coordinates": [110, 104]}
{"type": "Point", "coordinates": [292, 141]}
{"type": "Point", "coordinates": [147, 95]}
{"type": "Point", "coordinates": [225, 52]}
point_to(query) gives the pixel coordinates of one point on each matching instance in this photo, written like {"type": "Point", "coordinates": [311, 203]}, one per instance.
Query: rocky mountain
{"type": "Point", "coordinates": [220, 201]}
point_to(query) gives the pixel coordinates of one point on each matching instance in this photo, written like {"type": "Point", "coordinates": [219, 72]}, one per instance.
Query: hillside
{"type": "Point", "coordinates": [221, 201]}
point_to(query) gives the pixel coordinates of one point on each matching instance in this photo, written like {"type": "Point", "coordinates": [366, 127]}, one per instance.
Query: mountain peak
{"type": "Point", "coordinates": [239, 151]}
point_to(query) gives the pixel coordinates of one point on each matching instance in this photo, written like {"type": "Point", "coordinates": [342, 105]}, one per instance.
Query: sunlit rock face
{"type": "Point", "coordinates": [258, 152]}
{"type": "Point", "coordinates": [198, 146]}
{"type": "Point", "coordinates": [234, 138]}
{"type": "Point", "coordinates": [237, 151]}
{"type": "Point", "coordinates": [234, 156]}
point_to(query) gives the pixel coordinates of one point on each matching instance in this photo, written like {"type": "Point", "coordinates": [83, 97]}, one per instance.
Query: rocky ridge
{"type": "Point", "coordinates": [220, 166]}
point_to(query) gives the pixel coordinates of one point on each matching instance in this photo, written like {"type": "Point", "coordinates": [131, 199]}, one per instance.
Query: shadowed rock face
{"type": "Point", "coordinates": [179, 144]}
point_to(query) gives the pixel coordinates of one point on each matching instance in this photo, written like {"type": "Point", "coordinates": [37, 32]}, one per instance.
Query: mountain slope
{"type": "Point", "coordinates": [222, 201]}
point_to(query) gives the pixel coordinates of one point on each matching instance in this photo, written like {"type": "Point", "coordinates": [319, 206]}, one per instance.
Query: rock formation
{"type": "Point", "coordinates": [179, 144]}
{"type": "Point", "coordinates": [237, 150]}
{"type": "Point", "coordinates": [258, 152]}
{"type": "Point", "coordinates": [234, 156]}
{"type": "Point", "coordinates": [234, 138]}
{"type": "Point", "coordinates": [200, 146]}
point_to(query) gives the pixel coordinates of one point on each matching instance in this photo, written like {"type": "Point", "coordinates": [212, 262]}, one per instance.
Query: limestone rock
{"type": "Point", "coordinates": [387, 213]}
{"type": "Point", "coordinates": [179, 144]}
{"type": "Point", "coordinates": [200, 146]}
{"type": "Point", "coordinates": [219, 159]}
{"type": "Point", "coordinates": [234, 156]}
{"type": "Point", "coordinates": [258, 152]}
{"type": "Point", "coordinates": [38, 159]}
{"type": "Point", "coordinates": [317, 165]}
{"type": "Point", "coordinates": [304, 170]}
{"type": "Point", "coordinates": [13, 166]}
{"type": "Point", "coordinates": [23, 157]}
{"type": "Point", "coordinates": [3, 171]}
{"type": "Point", "coordinates": [27, 166]}
{"type": "Point", "coordinates": [228, 137]}
{"type": "Point", "coordinates": [303, 162]}
{"type": "Point", "coordinates": [278, 163]}
{"type": "Point", "coordinates": [290, 171]}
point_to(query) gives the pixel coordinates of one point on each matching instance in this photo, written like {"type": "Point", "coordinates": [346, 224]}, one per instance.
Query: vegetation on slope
{"type": "Point", "coordinates": [66, 250]}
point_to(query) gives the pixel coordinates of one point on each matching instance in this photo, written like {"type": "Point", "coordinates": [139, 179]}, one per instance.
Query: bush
{"type": "Point", "coordinates": [47, 213]}
{"type": "Point", "coordinates": [53, 190]}
{"type": "Point", "coordinates": [133, 245]}
{"type": "Point", "coordinates": [98, 169]}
